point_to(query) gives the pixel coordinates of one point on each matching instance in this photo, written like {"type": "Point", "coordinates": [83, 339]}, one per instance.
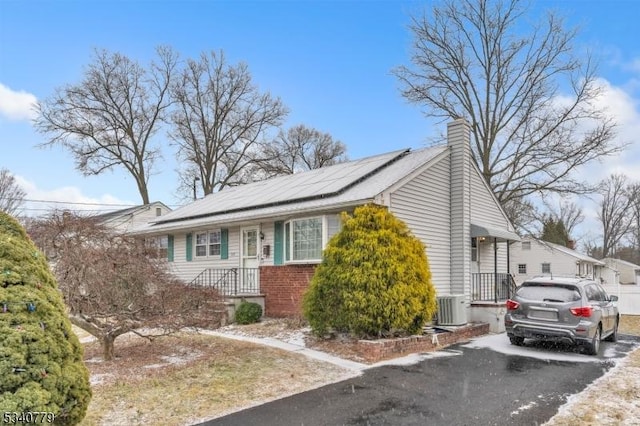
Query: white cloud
{"type": "Point", "coordinates": [42, 201]}
{"type": "Point", "coordinates": [16, 105]}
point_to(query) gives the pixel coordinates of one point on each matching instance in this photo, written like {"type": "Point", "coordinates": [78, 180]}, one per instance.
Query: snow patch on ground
{"type": "Point", "coordinates": [525, 407]}
{"type": "Point", "coordinates": [620, 385]}
{"type": "Point", "coordinates": [500, 343]}
{"type": "Point", "coordinates": [416, 358]}
{"type": "Point", "coordinates": [294, 337]}
{"type": "Point", "coordinates": [97, 379]}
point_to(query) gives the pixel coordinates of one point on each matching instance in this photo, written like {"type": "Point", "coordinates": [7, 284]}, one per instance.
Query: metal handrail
{"type": "Point", "coordinates": [229, 281]}
{"type": "Point", "coordinates": [490, 286]}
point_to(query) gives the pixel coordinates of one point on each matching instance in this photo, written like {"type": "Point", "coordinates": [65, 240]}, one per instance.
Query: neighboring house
{"type": "Point", "coordinates": [127, 219]}
{"type": "Point", "coordinates": [124, 220]}
{"type": "Point", "coordinates": [627, 287]}
{"type": "Point", "coordinates": [629, 272]}
{"type": "Point", "coordinates": [265, 238]}
{"type": "Point", "coordinates": [531, 258]}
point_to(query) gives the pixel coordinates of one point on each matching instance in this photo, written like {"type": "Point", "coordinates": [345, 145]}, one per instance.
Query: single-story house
{"type": "Point", "coordinates": [532, 257]}
{"type": "Point", "coordinates": [265, 238]}
{"type": "Point", "coordinates": [629, 272]}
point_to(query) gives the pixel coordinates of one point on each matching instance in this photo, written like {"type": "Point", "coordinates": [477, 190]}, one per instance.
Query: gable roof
{"type": "Point", "coordinates": [622, 262]}
{"type": "Point", "coordinates": [344, 184]}
{"type": "Point", "coordinates": [570, 252]}
{"type": "Point", "coordinates": [116, 214]}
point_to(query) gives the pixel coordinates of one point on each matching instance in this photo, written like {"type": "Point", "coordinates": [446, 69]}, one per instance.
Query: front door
{"type": "Point", "coordinates": [249, 260]}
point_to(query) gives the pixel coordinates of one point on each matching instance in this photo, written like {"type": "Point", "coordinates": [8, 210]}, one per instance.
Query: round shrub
{"type": "Point", "coordinates": [374, 279]}
{"type": "Point", "coordinates": [248, 313]}
{"type": "Point", "coordinates": [41, 359]}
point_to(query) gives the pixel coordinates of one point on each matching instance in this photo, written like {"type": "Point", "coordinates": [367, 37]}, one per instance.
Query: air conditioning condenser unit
{"type": "Point", "coordinates": [452, 310]}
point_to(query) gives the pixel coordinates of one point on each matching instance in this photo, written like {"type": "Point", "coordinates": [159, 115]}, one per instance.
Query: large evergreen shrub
{"type": "Point", "coordinates": [41, 364]}
{"type": "Point", "coordinates": [374, 279]}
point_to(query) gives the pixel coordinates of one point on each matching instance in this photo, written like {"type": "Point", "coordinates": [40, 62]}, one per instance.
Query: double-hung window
{"type": "Point", "coordinates": [546, 268]}
{"type": "Point", "coordinates": [305, 238]}
{"type": "Point", "coordinates": [208, 243]}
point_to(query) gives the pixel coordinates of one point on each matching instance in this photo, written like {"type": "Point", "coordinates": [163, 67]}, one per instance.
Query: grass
{"type": "Point", "coordinates": [190, 377]}
{"type": "Point", "coordinates": [630, 324]}
{"type": "Point", "coordinates": [206, 377]}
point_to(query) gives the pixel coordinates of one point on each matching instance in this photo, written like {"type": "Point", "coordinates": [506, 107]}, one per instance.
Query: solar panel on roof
{"type": "Point", "coordinates": [315, 183]}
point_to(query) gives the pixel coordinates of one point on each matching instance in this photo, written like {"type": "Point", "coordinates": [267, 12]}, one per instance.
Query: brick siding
{"type": "Point", "coordinates": [283, 287]}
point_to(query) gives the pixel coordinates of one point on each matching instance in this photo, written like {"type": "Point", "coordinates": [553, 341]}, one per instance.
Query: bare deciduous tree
{"type": "Point", "coordinates": [11, 194]}
{"type": "Point", "coordinates": [471, 59]}
{"type": "Point", "coordinates": [615, 211]}
{"type": "Point", "coordinates": [299, 149]}
{"type": "Point", "coordinates": [219, 121]}
{"type": "Point", "coordinates": [108, 120]}
{"type": "Point", "coordinates": [634, 232]}
{"type": "Point", "coordinates": [114, 284]}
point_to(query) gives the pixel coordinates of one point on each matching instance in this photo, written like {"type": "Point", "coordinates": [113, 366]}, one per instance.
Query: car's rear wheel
{"type": "Point", "coordinates": [613, 337]}
{"type": "Point", "coordinates": [516, 340]}
{"type": "Point", "coordinates": [594, 347]}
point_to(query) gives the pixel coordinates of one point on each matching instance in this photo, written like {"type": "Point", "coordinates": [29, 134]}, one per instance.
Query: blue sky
{"type": "Point", "coordinates": [329, 61]}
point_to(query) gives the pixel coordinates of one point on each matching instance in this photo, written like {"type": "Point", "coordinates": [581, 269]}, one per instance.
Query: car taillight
{"type": "Point", "coordinates": [512, 305]}
{"type": "Point", "coordinates": [584, 311]}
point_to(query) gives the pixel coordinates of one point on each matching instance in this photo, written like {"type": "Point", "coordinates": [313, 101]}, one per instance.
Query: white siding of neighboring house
{"type": "Point", "coordinates": [562, 264]}
{"type": "Point", "coordinates": [137, 218]}
{"type": "Point", "coordinates": [628, 274]}
{"type": "Point", "coordinates": [423, 204]}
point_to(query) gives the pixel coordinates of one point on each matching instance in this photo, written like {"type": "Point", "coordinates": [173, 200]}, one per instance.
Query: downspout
{"type": "Point", "coordinates": [495, 270]}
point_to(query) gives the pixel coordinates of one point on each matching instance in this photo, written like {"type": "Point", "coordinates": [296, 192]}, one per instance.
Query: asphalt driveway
{"type": "Point", "coordinates": [484, 382]}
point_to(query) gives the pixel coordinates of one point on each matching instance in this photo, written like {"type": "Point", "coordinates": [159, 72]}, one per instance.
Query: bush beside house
{"type": "Point", "coordinates": [374, 279]}
{"type": "Point", "coordinates": [41, 359]}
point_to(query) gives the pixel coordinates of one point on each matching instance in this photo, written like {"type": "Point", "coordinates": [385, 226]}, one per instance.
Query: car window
{"type": "Point", "coordinates": [594, 293]}
{"type": "Point", "coordinates": [549, 292]}
{"type": "Point", "coordinates": [605, 295]}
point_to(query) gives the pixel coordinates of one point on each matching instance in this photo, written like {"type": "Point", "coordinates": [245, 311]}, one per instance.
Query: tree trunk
{"type": "Point", "coordinates": [107, 343]}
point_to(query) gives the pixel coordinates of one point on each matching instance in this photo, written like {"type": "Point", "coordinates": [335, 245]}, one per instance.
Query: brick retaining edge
{"type": "Point", "coordinates": [378, 350]}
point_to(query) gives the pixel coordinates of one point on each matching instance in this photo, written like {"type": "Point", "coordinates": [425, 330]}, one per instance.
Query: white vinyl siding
{"type": "Point", "coordinates": [559, 262]}
{"type": "Point", "coordinates": [423, 204]}
{"type": "Point", "coordinates": [188, 270]}
{"type": "Point", "coordinates": [484, 207]}
{"type": "Point", "coordinates": [486, 257]}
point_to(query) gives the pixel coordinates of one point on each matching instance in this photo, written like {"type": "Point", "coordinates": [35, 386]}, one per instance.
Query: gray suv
{"type": "Point", "coordinates": [573, 309]}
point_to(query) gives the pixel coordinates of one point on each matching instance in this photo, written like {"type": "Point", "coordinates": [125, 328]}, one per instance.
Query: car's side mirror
{"type": "Point", "coordinates": [613, 298]}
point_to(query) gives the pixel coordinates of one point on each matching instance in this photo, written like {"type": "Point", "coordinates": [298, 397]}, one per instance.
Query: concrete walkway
{"type": "Point", "coordinates": [279, 344]}
{"type": "Point", "coordinates": [325, 357]}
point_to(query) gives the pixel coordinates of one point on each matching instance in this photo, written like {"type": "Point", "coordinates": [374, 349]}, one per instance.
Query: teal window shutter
{"type": "Point", "coordinates": [278, 239]}
{"type": "Point", "coordinates": [287, 235]}
{"type": "Point", "coordinates": [170, 248]}
{"type": "Point", "coordinates": [224, 244]}
{"type": "Point", "coordinates": [189, 248]}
